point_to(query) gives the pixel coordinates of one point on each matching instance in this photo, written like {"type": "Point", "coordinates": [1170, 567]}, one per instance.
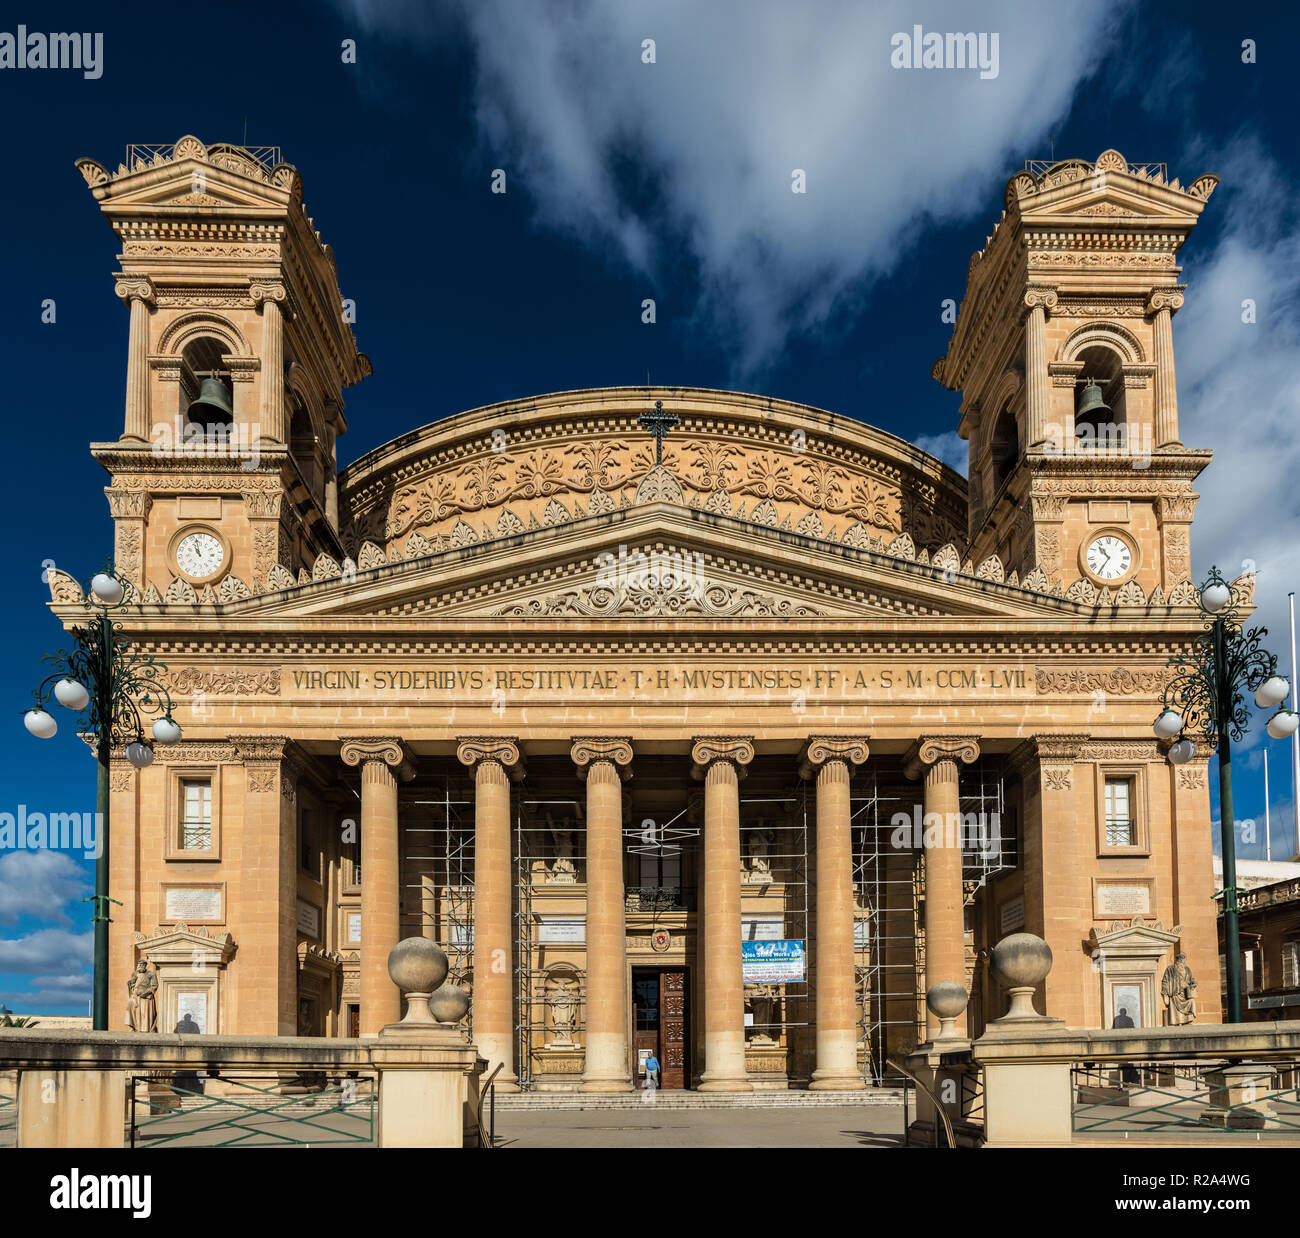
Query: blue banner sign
{"type": "Point", "coordinates": [771, 962]}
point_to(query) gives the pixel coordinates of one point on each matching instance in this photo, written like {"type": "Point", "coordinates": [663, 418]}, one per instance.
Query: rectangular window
{"type": "Point", "coordinates": [1291, 964]}
{"type": "Point", "coordinates": [196, 814]}
{"type": "Point", "coordinates": [1121, 828]}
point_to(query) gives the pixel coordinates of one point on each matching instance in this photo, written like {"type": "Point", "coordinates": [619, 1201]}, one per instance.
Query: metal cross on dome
{"type": "Point", "coordinates": [658, 423]}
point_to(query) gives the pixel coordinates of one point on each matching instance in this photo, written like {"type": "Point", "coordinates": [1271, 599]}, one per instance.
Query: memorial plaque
{"type": "Point", "coordinates": [308, 919]}
{"type": "Point", "coordinates": [561, 930]}
{"type": "Point", "coordinates": [192, 1013]}
{"type": "Point", "coordinates": [762, 928]}
{"type": "Point", "coordinates": [193, 903]}
{"type": "Point", "coordinates": [1123, 900]}
{"type": "Point", "coordinates": [1011, 915]}
{"type": "Point", "coordinates": [354, 926]}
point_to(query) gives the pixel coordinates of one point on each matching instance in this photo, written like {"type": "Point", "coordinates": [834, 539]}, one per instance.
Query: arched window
{"type": "Point", "coordinates": [1106, 367]}
{"type": "Point", "coordinates": [201, 362]}
{"type": "Point", "coordinates": [1005, 447]}
{"type": "Point", "coordinates": [302, 446]}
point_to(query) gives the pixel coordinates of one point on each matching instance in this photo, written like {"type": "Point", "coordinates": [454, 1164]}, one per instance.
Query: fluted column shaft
{"type": "Point", "coordinates": [607, 1065]}
{"type": "Point", "coordinates": [381, 1001]}
{"type": "Point", "coordinates": [1037, 390]}
{"type": "Point", "coordinates": [493, 997]}
{"type": "Point", "coordinates": [272, 415]}
{"type": "Point", "coordinates": [720, 763]}
{"type": "Point", "coordinates": [1164, 304]}
{"type": "Point", "coordinates": [836, 989]}
{"type": "Point", "coordinates": [138, 293]}
{"type": "Point", "coordinates": [945, 903]}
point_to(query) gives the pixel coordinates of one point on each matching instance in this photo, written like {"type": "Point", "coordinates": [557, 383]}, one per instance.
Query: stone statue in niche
{"type": "Point", "coordinates": [765, 1004]}
{"type": "Point", "coordinates": [142, 999]}
{"type": "Point", "coordinates": [562, 870]}
{"type": "Point", "coordinates": [1178, 992]}
{"type": "Point", "coordinates": [562, 1001]}
{"type": "Point", "coordinates": [760, 845]}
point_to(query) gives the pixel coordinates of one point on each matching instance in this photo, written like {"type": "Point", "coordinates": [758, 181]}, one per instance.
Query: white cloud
{"type": "Point", "coordinates": [39, 883]}
{"type": "Point", "coordinates": [691, 157]}
{"type": "Point", "coordinates": [951, 448]}
{"type": "Point", "coordinates": [46, 950]}
{"type": "Point", "coordinates": [1239, 393]}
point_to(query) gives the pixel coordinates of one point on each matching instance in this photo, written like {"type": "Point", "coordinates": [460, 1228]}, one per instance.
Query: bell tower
{"type": "Point", "coordinates": [1063, 354]}
{"type": "Point", "coordinates": [238, 352]}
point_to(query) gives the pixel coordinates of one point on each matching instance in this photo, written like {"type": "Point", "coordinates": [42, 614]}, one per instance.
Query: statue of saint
{"type": "Point", "coordinates": [765, 1003]}
{"type": "Point", "coordinates": [562, 870]}
{"type": "Point", "coordinates": [562, 997]}
{"type": "Point", "coordinates": [1178, 991]}
{"type": "Point", "coordinates": [760, 857]}
{"type": "Point", "coordinates": [141, 999]}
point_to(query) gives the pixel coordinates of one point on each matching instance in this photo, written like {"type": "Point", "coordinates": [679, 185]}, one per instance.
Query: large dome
{"type": "Point", "coordinates": [549, 460]}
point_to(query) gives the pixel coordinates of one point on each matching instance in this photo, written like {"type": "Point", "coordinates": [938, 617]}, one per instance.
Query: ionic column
{"type": "Point", "coordinates": [831, 760]}
{"type": "Point", "coordinates": [272, 421]}
{"type": "Point", "coordinates": [603, 764]}
{"type": "Point", "coordinates": [945, 929]}
{"type": "Point", "coordinates": [382, 761]}
{"type": "Point", "coordinates": [720, 761]}
{"type": "Point", "coordinates": [1163, 303]}
{"type": "Point", "coordinates": [137, 291]}
{"type": "Point", "coordinates": [494, 761]}
{"type": "Point", "coordinates": [1038, 299]}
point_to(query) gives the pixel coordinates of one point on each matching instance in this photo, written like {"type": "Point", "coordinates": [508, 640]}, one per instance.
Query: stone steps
{"type": "Point", "coordinates": [528, 1102]}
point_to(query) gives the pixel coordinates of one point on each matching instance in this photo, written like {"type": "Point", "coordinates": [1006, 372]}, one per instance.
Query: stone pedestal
{"type": "Point", "coordinates": [1234, 1090]}
{"type": "Point", "coordinates": [427, 1077]}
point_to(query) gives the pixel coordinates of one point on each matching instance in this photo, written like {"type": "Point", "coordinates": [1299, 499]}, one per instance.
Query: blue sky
{"type": "Point", "coordinates": [626, 181]}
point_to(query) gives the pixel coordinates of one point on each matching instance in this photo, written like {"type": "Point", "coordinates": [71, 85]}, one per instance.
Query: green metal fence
{"type": "Point", "coordinates": [182, 1109]}
{"type": "Point", "coordinates": [1166, 1098]}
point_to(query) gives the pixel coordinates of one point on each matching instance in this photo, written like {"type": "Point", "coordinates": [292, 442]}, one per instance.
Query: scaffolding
{"type": "Point", "coordinates": [889, 892]}
{"type": "Point", "coordinates": [549, 850]}
{"type": "Point", "coordinates": [774, 834]}
{"type": "Point", "coordinates": [438, 871]}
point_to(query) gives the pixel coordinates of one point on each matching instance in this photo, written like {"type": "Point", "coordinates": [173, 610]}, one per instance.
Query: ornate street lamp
{"type": "Point", "coordinates": [1203, 701]}
{"type": "Point", "coordinates": [114, 689]}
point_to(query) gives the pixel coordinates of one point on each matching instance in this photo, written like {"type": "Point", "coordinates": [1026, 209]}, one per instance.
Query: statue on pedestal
{"type": "Point", "coordinates": [760, 844]}
{"type": "Point", "coordinates": [1178, 992]}
{"type": "Point", "coordinates": [562, 998]}
{"type": "Point", "coordinates": [141, 999]}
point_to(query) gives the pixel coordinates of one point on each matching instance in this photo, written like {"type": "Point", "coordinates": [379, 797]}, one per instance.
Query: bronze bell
{"type": "Point", "coordinates": [1092, 410]}
{"type": "Point", "coordinates": [213, 404]}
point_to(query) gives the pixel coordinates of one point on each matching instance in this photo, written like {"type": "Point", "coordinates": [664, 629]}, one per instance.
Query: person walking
{"type": "Point", "coordinates": [652, 1072]}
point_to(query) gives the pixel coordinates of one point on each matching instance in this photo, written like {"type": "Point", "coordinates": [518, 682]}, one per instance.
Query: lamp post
{"type": "Point", "coordinates": [109, 684]}
{"type": "Point", "coordinates": [1204, 701]}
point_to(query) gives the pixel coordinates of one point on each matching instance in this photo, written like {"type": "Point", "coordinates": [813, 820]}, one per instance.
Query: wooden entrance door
{"type": "Point", "coordinates": [660, 1023]}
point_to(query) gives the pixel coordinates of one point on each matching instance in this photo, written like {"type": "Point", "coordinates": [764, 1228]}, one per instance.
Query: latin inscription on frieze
{"type": "Point", "coordinates": [615, 681]}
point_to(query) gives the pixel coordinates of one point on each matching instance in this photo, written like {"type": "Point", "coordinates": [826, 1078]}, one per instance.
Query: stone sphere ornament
{"type": "Point", "coordinates": [1020, 963]}
{"type": "Point", "coordinates": [449, 1003]}
{"type": "Point", "coordinates": [946, 1001]}
{"type": "Point", "coordinates": [417, 966]}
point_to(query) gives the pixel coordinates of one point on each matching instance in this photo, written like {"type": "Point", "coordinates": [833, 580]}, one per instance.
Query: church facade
{"type": "Point", "coordinates": [688, 722]}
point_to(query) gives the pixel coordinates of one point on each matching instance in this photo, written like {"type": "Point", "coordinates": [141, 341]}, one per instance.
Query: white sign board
{"type": "Point", "coordinates": [557, 930]}
{"type": "Point", "coordinates": [762, 928]}
{"type": "Point", "coordinates": [193, 903]}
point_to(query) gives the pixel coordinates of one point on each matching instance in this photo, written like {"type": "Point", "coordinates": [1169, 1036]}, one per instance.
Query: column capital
{"type": "Point", "coordinates": [135, 288]}
{"type": "Point", "coordinates": [931, 749]}
{"type": "Point", "coordinates": [265, 292]}
{"type": "Point", "coordinates": [1040, 296]}
{"type": "Point", "coordinates": [1048, 749]}
{"type": "Point", "coordinates": [260, 748]}
{"type": "Point", "coordinates": [473, 750]}
{"type": "Point", "coordinates": [1170, 298]}
{"type": "Point", "coordinates": [851, 749]}
{"type": "Point", "coordinates": [737, 750]}
{"type": "Point", "coordinates": [588, 749]}
{"type": "Point", "coordinates": [363, 749]}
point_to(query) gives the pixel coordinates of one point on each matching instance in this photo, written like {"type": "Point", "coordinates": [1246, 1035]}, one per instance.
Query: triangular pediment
{"type": "Point", "coordinates": [654, 561]}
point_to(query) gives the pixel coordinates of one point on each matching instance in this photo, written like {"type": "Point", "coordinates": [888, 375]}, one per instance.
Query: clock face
{"type": "Point", "coordinates": [1109, 557]}
{"type": "Point", "coordinates": [200, 555]}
